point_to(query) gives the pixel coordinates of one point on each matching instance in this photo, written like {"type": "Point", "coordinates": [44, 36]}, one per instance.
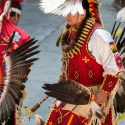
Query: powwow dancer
{"type": "Point", "coordinates": [15, 65]}
{"type": "Point", "coordinates": [15, 12]}
{"type": "Point", "coordinates": [90, 66]}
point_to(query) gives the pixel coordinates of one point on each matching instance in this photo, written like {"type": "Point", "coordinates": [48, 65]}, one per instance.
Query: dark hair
{"type": "Point", "coordinates": [85, 5]}
{"type": "Point", "coordinates": [17, 6]}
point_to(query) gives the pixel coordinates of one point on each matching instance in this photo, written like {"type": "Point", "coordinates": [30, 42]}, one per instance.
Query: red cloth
{"type": "Point", "coordinates": [109, 83]}
{"type": "Point", "coordinates": [6, 32]}
{"type": "Point", "coordinates": [19, 1]}
{"type": "Point", "coordinates": [65, 117]}
{"type": "Point", "coordinates": [83, 66]}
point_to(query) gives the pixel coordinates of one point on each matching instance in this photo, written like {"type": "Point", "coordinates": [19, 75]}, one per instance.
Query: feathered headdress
{"type": "Point", "coordinates": [64, 7]}
{"type": "Point", "coordinates": [16, 6]}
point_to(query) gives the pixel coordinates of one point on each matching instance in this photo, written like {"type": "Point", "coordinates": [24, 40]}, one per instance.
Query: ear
{"type": "Point", "coordinates": [16, 19]}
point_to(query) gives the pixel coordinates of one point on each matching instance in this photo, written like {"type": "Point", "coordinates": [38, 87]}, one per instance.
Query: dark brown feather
{"type": "Point", "coordinates": [18, 66]}
{"type": "Point", "coordinates": [68, 91]}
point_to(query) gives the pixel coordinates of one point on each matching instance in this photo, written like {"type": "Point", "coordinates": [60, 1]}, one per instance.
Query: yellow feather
{"type": "Point", "coordinates": [28, 111]}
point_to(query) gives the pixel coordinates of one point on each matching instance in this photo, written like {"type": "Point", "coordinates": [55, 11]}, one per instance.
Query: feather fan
{"type": "Point", "coordinates": [38, 120]}
{"type": "Point", "coordinates": [17, 67]}
{"type": "Point", "coordinates": [119, 19]}
{"type": "Point", "coordinates": [72, 92]}
{"type": "Point", "coordinates": [68, 91]}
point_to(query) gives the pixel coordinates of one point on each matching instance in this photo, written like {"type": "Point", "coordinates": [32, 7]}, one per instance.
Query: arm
{"type": "Point", "coordinates": [106, 54]}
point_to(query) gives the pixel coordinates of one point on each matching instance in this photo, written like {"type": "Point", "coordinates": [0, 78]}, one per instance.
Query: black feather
{"type": "Point", "coordinates": [10, 42]}
{"type": "Point", "coordinates": [25, 57]}
{"type": "Point", "coordinates": [116, 30]}
{"type": "Point", "coordinates": [23, 53]}
{"type": "Point", "coordinates": [113, 28]}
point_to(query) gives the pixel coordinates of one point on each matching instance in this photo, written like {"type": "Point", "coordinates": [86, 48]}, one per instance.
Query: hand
{"type": "Point", "coordinates": [101, 98]}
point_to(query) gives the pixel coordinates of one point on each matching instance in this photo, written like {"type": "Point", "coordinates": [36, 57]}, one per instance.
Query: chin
{"type": "Point", "coordinates": [70, 23]}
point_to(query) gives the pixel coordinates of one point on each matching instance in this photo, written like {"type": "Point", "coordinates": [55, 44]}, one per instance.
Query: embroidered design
{"type": "Point", "coordinates": [118, 60]}
{"type": "Point", "coordinates": [76, 75]}
{"type": "Point", "coordinates": [6, 38]}
{"type": "Point", "coordinates": [50, 123]}
{"type": "Point", "coordinates": [116, 55]}
{"type": "Point", "coordinates": [90, 74]}
{"type": "Point", "coordinates": [15, 46]}
{"type": "Point", "coordinates": [113, 47]}
{"type": "Point", "coordinates": [70, 120]}
{"type": "Point", "coordinates": [109, 83]}
{"type": "Point", "coordinates": [59, 119]}
{"type": "Point", "coordinates": [85, 59]}
{"type": "Point", "coordinates": [17, 37]}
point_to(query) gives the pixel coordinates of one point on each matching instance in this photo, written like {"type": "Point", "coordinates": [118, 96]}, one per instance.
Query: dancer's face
{"type": "Point", "coordinates": [75, 19]}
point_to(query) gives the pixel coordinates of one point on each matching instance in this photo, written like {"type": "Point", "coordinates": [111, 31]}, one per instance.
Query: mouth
{"type": "Point", "coordinates": [68, 20]}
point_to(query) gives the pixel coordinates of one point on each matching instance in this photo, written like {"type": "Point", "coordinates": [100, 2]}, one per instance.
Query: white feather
{"type": "Point", "coordinates": [69, 7]}
{"type": "Point", "coordinates": [58, 103]}
{"type": "Point", "coordinates": [80, 8]}
{"type": "Point", "coordinates": [62, 7]}
{"type": "Point", "coordinates": [94, 121]}
{"type": "Point", "coordinates": [121, 15]}
{"type": "Point", "coordinates": [95, 107]}
{"type": "Point", "coordinates": [49, 5]}
{"type": "Point", "coordinates": [38, 120]}
{"type": "Point", "coordinates": [67, 10]}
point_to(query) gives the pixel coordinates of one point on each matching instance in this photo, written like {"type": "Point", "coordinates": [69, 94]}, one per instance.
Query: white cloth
{"type": "Point", "coordinates": [99, 47]}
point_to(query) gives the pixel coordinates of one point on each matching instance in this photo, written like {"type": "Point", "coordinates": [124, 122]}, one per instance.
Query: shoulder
{"type": "Point", "coordinates": [103, 35]}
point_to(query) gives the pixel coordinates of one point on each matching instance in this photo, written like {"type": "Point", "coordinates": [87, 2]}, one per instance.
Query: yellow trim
{"type": "Point", "coordinates": [85, 59]}
{"type": "Point", "coordinates": [71, 54]}
{"type": "Point", "coordinates": [89, 27]}
{"type": "Point", "coordinates": [86, 29]}
{"type": "Point", "coordinates": [79, 44]}
{"type": "Point", "coordinates": [84, 35]}
{"type": "Point", "coordinates": [80, 41]}
{"type": "Point", "coordinates": [70, 120]}
{"type": "Point", "coordinates": [74, 51]}
{"type": "Point", "coordinates": [47, 121]}
{"type": "Point", "coordinates": [82, 38]}
{"type": "Point", "coordinates": [77, 49]}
